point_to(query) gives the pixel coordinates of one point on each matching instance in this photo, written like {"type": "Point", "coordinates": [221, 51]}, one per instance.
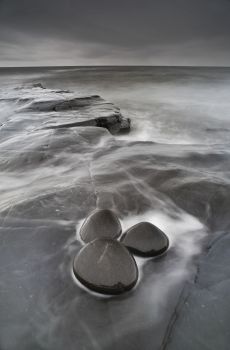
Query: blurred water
{"type": "Point", "coordinates": [165, 104]}
{"type": "Point", "coordinates": [172, 170]}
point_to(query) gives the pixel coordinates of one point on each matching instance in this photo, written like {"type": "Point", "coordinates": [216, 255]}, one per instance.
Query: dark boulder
{"type": "Point", "coordinates": [116, 124]}
{"type": "Point", "coordinates": [38, 85]}
{"type": "Point", "coordinates": [106, 266]}
{"type": "Point", "coordinates": [102, 223]}
{"type": "Point", "coordinates": [145, 239]}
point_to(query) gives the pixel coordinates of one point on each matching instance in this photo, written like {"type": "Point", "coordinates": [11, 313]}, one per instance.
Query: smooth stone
{"type": "Point", "coordinates": [145, 239]}
{"type": "Point", "coordinates": [106, 266]}
{"type": "Point", "coordinates": [102, 223]}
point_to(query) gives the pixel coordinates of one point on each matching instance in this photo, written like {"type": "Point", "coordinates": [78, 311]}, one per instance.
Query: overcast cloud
{"type": "Point", "coordinates": [92, 32]}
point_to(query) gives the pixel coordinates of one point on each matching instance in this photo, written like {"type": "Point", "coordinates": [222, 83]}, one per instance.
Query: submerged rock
{"type": "Point", "coordinates": [145, 239]}
{"type": "Point", "coordinates": [106, 266]}
{"type": "Point", "coordinates": [101, 223]}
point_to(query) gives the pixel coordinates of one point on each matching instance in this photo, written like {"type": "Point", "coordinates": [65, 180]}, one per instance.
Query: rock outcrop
{"type": "Point", "coordinates": [77, 111]}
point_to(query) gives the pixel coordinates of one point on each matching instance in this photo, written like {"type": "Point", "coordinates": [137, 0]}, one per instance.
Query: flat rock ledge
{"type": "Point", "coordinates": [78, 111]}
{"type": "Point", "coordinates": [106, 266]}
{"type": "Point", "coordinates": [115, 124]}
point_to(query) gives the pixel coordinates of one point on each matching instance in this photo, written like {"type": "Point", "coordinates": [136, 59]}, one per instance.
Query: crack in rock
{"type": "Point", "coordinates": [171, 324]}
{"type": "Point", "coordinates": [185, 293]}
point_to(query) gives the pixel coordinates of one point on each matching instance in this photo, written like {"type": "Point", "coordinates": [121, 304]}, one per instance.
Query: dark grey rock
{"type": "Point", "coordinates": [125, 125]}
{"type": "Point", "coordinates": [203, 315]}
{"type": "Point", "coordinates": [38, 85]}
{"type": "Point", "coordinates": [94, 111]}
{"type": "Point", "coordinates": [145, 239]}
{"type": "Point", "coordinates": [63, 91]}
{"type": "Point", "coordinates": [101, 223]}
{"type": "Point", "coordinates": [106, 266]}
{"type": "Point", "coordinates": [35, 261]}
{"type": "Point", "coordinates": [63, 104]}
{"type": "Point", "coordinates": [116, 124]}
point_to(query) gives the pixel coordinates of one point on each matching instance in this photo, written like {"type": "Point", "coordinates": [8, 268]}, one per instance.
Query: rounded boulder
{"type": "Point", "coordinates": [106, 266]}
{"type": "Point", "coordinates": [145, 239]}
{"type": "Point", "coordinates": [102, 223]}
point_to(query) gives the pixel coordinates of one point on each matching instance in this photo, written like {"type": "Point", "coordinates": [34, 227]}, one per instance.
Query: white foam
{"type": "Point", "coordinates": [184, 230]}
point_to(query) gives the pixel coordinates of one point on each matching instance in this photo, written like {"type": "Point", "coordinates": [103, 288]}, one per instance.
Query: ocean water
{"type": "Point", "coordinates": [172, 169]}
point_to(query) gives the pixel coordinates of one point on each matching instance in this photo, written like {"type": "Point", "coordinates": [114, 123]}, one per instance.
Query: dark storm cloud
{"type": "Point", "coordinates": [105, 31]}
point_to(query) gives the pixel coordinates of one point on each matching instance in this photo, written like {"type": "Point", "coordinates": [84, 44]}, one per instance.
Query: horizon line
{"type": "Point", "coordinates": [118, 65]}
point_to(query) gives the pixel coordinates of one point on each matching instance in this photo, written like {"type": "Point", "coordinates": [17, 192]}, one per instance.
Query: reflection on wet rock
{"type": "Point", "coordinates": [145, 239]}
{"type": "Point", "coordinates": [101, 223]}
{"type": "Point", "coordinates": [106, 266]}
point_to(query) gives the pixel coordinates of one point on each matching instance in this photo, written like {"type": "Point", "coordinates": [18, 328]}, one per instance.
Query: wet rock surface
{"type": "Point", "coordinates": [145, 239]}
{"type": "Point", "coordinates": [78, 111]}
{"type": "Point", "coordinates": [52, 178]}
{"type": "Point", "coordinates": [207, 297]}
{"type": "Point", "coordinates": [106, 266]}
{"type": "Point", "coordinates": [36, 259]}
{"type": "Point", "coordinates": [101, 223]}
{"type": "Point", "coordinates": [115, 124]}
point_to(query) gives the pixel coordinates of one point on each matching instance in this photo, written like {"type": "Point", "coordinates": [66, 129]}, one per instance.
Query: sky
{"type": "Point", "coordinates": [118, 32]}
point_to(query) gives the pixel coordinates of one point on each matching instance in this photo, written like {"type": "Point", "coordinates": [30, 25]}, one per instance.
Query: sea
{"type": "Point", "coordinates": [172, 169]}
